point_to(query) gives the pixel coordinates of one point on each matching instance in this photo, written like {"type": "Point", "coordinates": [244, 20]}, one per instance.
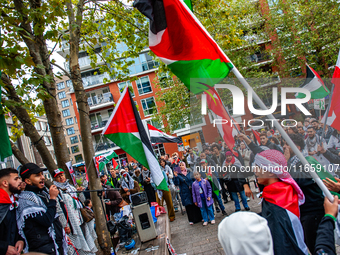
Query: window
{"type": "Point", "coordinates": [78, 158]}
{"type": "Point", "coordinates": [60, 85]}
{"type": "Point", "coordinates": [80, 137]}
{"type": "Point", "coordinates": [69, 83]}
{"type": "Point", "coordinates": [70, 131]}
{"type": "Point", "coordinates": [47, 140]}
{"type": "Point", "coordinates": [43, 126]}
{"type": "Point", "coordinates": [149, 106]}
{"type": "Point", "coordinates": [75, 149]}
{"type": "Point", "coordinates": [155, 123]}
{"type": "Point", "coordinates": [62, 95]}
{"type": "Point", "coordinates": [69, 121]}
{"type": "Point", "coordinates": [143, 85]}
{"type": "Point", "coordinates": [37, 126]}
{"type": "Point", "coordinates": [65, 103]}
{"type": "Point", "coordinates": [66, 112]}
{"type": "Point", "coordinates": [75, 120]}
{"type": "Point", "coordinates": [122, 85]}
{"type": "Point", "coordinates": [110, 112]}
{"type": "Point", "coordinates": [74, 139]}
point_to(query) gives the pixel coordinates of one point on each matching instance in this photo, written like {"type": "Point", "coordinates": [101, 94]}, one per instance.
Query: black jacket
{"type": "Point", "coordinates": [8, 228]}
{"type": "Point", "coordinates": [221, 159]}
{"type": "Point", "coordinates": [273, 146]}
{"type": "Point", "coordinates": [324, 243]}
{"type": "Point", "coordinates": [332, 158]}
{"type": "Point", "coordinates": [36, 228]}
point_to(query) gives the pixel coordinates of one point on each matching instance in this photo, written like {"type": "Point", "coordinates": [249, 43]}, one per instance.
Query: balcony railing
{"type": "Point", "coordinates": [95, 79]}
{"type": "Point", "coordinates": [102, 99]}
{"type": "Point", "coordinates": [95, 126]}
{"type": "Point", "coordinates": [103, 146]}
{"type": "Point", "coordinates": [259, 57]}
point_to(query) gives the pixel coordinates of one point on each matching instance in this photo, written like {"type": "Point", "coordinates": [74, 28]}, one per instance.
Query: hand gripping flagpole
{"type": "Point", "coordinates": [284, 135]}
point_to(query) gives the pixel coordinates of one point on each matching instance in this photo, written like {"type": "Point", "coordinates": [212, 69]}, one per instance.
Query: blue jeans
{"type": "Point", "coordinates": [236, 201]}
{"type": "Point", "coordinates": [219, 200]}
{"type": "Point", "coordinates": [207, 212]}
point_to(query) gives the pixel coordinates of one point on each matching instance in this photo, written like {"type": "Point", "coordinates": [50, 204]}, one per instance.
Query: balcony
{"type": "Point", "coordinates": [94, 80]}
{"type": "Point", "coordinates": [259, 57]}
{"type": "Point", "coordinates": [97, 127]}
{"type": "Point", "coordinates": [100, 101]}
{"type": "Point", "coordinates": [103, 146]}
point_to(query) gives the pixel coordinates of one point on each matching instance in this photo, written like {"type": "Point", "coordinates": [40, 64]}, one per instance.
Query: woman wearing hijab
{"type": "Point", "coordinates": [146, 181]}
{"type": "Point", "coordinates": [184, 182]}
{"type": "Point", "coordinates": [128, 186]}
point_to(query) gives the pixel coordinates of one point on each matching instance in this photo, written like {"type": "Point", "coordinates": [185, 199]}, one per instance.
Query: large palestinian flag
{"type": "Point", "coordinates": [314, 84]}
{"type": "Point", "coordinates": [157, 136]}
{"type": "Point", "coordinates": [178, 38]}
{"type": "Point", "coordinates": [125, 128]}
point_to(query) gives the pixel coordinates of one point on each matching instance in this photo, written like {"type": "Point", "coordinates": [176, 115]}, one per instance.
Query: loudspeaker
{"type": "Point", "coordinates": [144, 222]}
{"type": "Point", "coordinates": [139, 198]}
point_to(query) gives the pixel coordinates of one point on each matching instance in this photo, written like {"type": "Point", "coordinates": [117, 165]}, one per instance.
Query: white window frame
{"type": "Point", "coordinates": [149, 108]}
{"type": "Point", "coordinates": [139, 80]}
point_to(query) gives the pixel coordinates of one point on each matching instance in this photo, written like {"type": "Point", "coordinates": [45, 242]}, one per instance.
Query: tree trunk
{"type": "Point", "coordinates": [75, 22]}
{"type": "Point", "coordinates": [18, 154]}
{"type": "Point", "coordinates": [29, 129]}
{"type": "Point", "coordinates": [33, 36]}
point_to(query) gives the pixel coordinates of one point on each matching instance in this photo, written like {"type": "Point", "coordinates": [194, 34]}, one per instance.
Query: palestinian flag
{"type": "Point", "coordinates": [257, 137]}
{"type": "Point", "coordinates": [178, 38]}
{"type": "Point", "coordinates": [114, 163]}
{"type": "Point", "coordinates": [125, 128]}
{"type": "Point", "coordinates": [5, 148]}
{"type": "Point", "coordinates": [314, 84]}
{"type": "Point", "coordinates": [102, 159]}
{"type": "Point", "coordinates": [280, 207]}
{"type": "Point", "coordinates": [157, 136]}
{"type": "Point", "coordinates": [333, 119]}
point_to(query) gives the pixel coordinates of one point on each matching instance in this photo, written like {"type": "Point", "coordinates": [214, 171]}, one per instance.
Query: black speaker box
{"type": "Point", "coordinates": [139, 198]}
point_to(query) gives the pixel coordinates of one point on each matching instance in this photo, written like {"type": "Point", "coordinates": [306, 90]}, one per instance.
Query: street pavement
{"type": "Point", "coordinates": [199, 239]}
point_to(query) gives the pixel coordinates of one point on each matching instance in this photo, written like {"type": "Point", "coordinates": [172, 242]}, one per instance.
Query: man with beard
{"type": "Point", "coordinates": [10, 241]}
{"type": "Point", "coordinates": [265, 142]}
{"type": "Point", "coordinates": [312, 142]}
{"type": "Point", "coordinates": [37, 217]}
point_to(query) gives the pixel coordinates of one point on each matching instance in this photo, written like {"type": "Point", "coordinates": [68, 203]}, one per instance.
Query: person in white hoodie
{"type": "Point", "coordinates": [245, 233]}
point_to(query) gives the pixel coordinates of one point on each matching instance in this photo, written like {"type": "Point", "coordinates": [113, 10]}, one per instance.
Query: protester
{"type": "Point", "coordinates": [112, 201]}
{"type": "Point", "coordinates": [128, 186]}
{"type": "Point", "coordinates": [113, 180]}
{"type": "Point", "coordinates": [165, 195]}
{"type": "Point", "coordinates": [312, 211]}
{"type": "Point", "coordinates": [245, 233]}
{"type": "Point", "coordinates": [215, 185]}
{"type": "Point", "coordinates": [245, 153]}
{"type": "Point", "coordinates": [184, 181]}
{"type": "Point", "coordinates": [81, 234]}
{"type": "Point", "coordinates": [312, 142]}
{"type": "Point", "coordinates": [191, 159]}
{"type": "Point", "coordinates": [281, 199]}
{"type": "Point", "coordinates": [265, 142]}
{"type": "Point", "coordinates": [37, 217]}
{"type": "Point", "coordinates": [169, 173]}
{"type": "Point", "coordinates": [235, 184]}
{"type": "Point", "coordinates": [10, 240]}
{"type": "Point", "coordinates": [145, 179]}
{"type": "Point", "coordinates": [202, 197]}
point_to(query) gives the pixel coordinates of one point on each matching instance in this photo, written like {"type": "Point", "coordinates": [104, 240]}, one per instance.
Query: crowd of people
{"type": "Point", "coordinates": [295, 215]}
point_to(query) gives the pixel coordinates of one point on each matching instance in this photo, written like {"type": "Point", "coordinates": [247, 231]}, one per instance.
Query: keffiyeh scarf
{"type": "Point", "coordinates": [30, 206]}
{"type": "Point", "coordinates": [127, 182]}
{"type": "Point", "coordinates": [68, 188]}
{"type": "Point", "coordinates": [275, 162]}
{"type": "Point", "coordinates": [312, 142]}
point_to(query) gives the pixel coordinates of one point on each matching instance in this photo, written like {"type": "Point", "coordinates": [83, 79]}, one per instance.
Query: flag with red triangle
{"type": "Point", "coordinates": [257, 137]}
{"type": "Point", "coordinates": [333, 119]}
{"type": "Point", "coordinates": [125, 129]}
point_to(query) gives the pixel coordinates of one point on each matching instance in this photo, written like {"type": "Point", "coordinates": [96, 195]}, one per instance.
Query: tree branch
{"type": "Point", "coordinates": [62, 69]}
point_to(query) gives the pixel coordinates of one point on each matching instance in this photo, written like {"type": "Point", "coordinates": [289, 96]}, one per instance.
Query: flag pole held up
{"type": "Point", "coordinates": [285, 136]}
